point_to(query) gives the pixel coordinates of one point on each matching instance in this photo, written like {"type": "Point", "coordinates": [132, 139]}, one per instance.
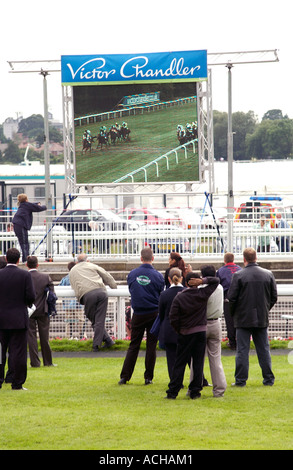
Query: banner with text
{"type": "Point", "coordinates": [188, 66]}
{"type": "Point", "coordinates": [135, 116]}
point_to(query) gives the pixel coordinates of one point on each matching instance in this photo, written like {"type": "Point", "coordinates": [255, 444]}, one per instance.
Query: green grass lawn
{"type": "Point", "coordinates": [79, 405]}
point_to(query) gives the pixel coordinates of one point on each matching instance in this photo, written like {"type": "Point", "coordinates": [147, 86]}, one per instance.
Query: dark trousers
{"type": "Point", "coordinates": [95, 308]}
{"type": "Point", "coordinates": [22, 236]}
{"type": "Point", "coordinates": [139, 324]}
{"type": "Point", "coordinates": [170, 349]}
{"type": "Point", "coordinates": [262, 346]}
{"type": "Point", "coordinates": [189, 347]}
{"type": "Point", "coordinates": [43, 325]}
{"type": "Point", "coordinates": [231, 331]}
{"type": "Point", "coordinates": [15, 342]}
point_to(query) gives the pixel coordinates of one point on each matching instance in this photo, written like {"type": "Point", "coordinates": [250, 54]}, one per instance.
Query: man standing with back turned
{"type": "Point", "coordinates": [16, 294]}
{"type": "Point", "coordinates": [40, 319]}
{"type": "Point", "coordinates": [225, 274]}
{"type": "Point", "coordinates": [145, 286]}
{"type": "Point", "coordinates": [252, 294]}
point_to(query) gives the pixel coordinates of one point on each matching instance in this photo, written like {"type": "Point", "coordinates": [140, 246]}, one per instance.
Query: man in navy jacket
{"type": "Point", "coordinates": [16, 294]}
{"type": "Point", "coordinates": [145, 286]}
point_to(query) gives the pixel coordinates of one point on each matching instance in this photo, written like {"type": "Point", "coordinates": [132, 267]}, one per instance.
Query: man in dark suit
{"type": "Point", "coordinates": [39, 319]}
{"type": "Point", "coordinates": [16, 294]}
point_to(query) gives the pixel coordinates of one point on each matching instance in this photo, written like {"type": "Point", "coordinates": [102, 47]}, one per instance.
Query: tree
{"type": "Point", "coordinates": [243, 124]}
{"type": "Point", "coordinates": [3, 139]}
{"type": "Point", "coordinates": [12, 154]}
{"type": "Point", "coordinates": [274, 114]}
{"type": "Point", "coordinates": [271, 139]}
{"type": "Point", "coordinates": [220, 125]}
{"type": "Point", "coordinates": [35, 121]}
{"type": "Point", "coordinates": [33, 128]}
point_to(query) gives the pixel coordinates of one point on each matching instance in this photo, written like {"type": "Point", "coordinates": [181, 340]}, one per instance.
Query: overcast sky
{"type": "Point", "coordinates": [32, 30]}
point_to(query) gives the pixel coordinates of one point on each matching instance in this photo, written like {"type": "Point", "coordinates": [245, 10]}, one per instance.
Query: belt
{"type": "Point", "coordinates": [213, 319]}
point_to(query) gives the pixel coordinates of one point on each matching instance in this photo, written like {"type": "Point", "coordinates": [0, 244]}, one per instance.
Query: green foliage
{"type": "Point", "coordinates": [243, 124]}
{"type": "Point", "coordinates": [33, 128]}
{"type": "Point", "coordinates": [220, 124]}
{"type": "Point", "coordinates": [122, 345]}
{"type": "Point", "coordinates": [273, 114]}
{"type": "Point", "coordinates": [35, 121]}
{"type": "Point", "coordinates": [272, 138]}
{"type": "Point", "coordinates": [3, 139]}
{"type": "Point", "coordinates": [12, 154]}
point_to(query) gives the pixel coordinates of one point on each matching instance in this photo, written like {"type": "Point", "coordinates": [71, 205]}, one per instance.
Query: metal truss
{"type": "Point", "coordinates": [205, 131]}
{"type": "Point", "coordinates": [242, 57]}
{"type": "Point", "coordinates": [68, 139]}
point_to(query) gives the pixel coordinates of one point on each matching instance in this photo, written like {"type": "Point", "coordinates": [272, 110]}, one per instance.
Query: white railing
{"type": "Point", "coordinates": [119, 113]}
{"type": "Point", "coordinates": [194, 237]}
{"type": "Point", "coordinates": [71, 322]}
{"type": "Point", "coordinates": [127, 244]}
{"type": "Point", "coordinates": [166, 156]}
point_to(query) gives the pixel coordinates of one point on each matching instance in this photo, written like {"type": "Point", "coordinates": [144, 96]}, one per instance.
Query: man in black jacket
{"type": "Point", "coordinates": [40, 319]}
{"type": "Point", "coordinates": [16, 294]}
{"type": "Point", "coordinates": [252, 294]}
{"type": "Point", "coordinates": [188, 317]}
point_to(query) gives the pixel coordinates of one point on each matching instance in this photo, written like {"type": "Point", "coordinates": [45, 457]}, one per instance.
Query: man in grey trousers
{"type": "Point", "coordinates": [88, 281]}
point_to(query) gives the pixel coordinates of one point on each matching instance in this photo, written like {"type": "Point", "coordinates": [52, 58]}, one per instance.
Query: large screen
{"type": "Point", "coordinates": [135, 116]}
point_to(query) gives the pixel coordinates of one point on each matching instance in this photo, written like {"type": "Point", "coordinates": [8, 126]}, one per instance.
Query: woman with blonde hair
{"type": "Point", "coordinates": [23, 220]}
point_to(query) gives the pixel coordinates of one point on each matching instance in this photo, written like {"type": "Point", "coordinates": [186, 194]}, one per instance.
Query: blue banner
{"type": "Point", "coordinates": [186, 66]}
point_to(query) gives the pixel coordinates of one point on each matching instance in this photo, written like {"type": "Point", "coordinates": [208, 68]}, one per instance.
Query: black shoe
{"type": "Point", "coordinates": [206, 384]}
{"type": "Point", "coordinates": [122, 381]}
{"type": "Point", "coordinates": [96, 349]}
{"type": "Point", "coordinates": [194, 397]}
{"type": "Point", "coordinates": [235, 384]}
{"type": "Point", "coordinates": [170, 397]}
{"type": "Point", "coordinates": [148, 382]}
